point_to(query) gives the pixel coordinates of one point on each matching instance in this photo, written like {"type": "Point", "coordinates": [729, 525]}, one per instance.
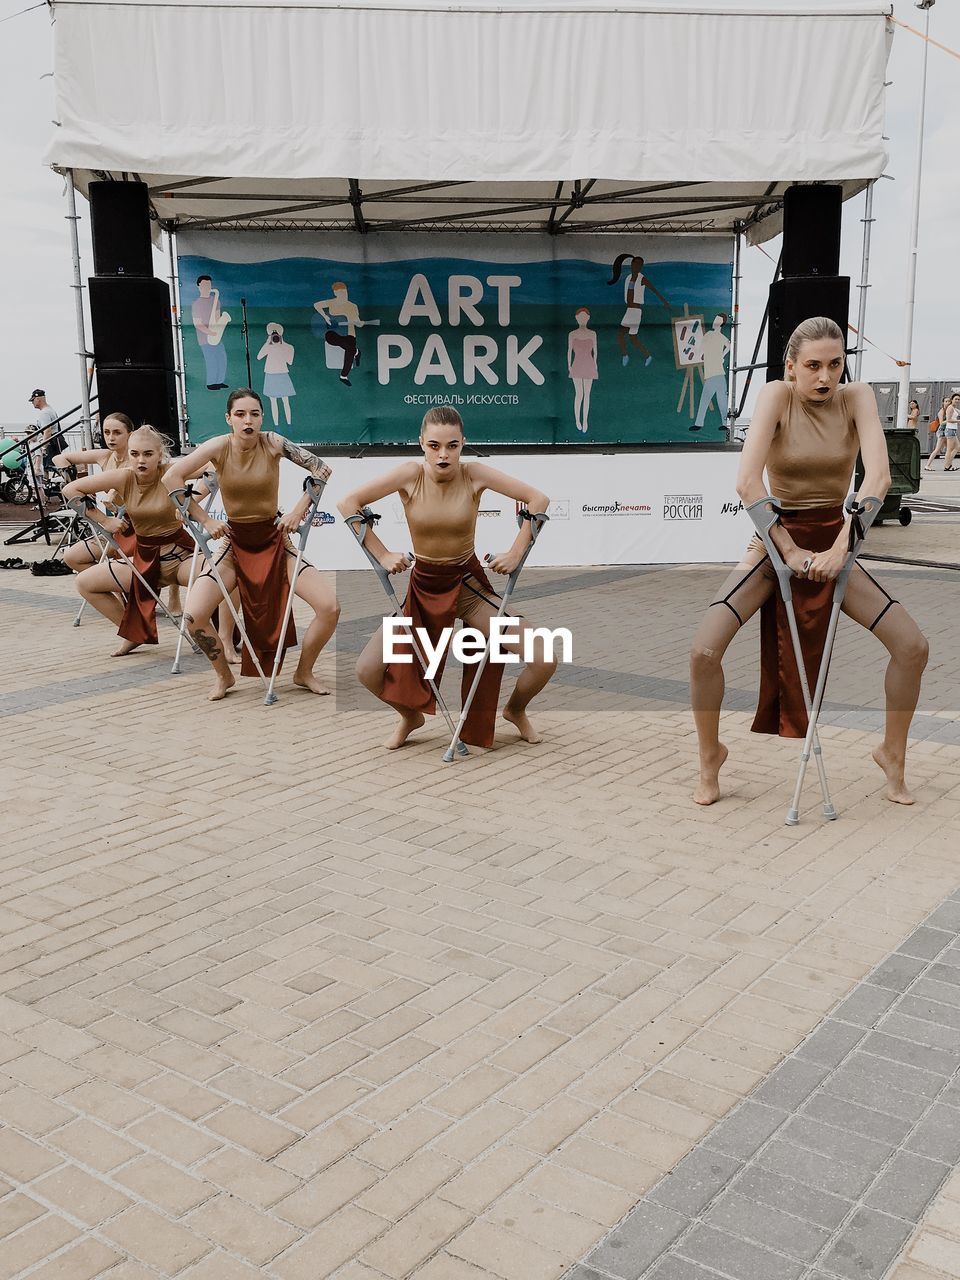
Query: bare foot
{"type": "Point", "coordinates": [310, 683]}
{"type": "Point", "coordinates": [222, 687]}
{"type": "Point", "coordinates": [708, 788]}
{"type": "Point", "coordinates": [232, 657]}
{"type": "Point", "coordinates": [893, 769]}
{"type": "Point", "coordinates": [412, 720]}
{"type": "Point", "coordinates": [521, 721]}
{"type": "Point", "coordinates": [127, 647]}
{"type": "Point", "coordinates": [173, 600]}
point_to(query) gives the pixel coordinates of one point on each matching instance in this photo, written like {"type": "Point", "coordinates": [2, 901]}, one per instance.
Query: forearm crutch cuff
{"type": "Point", "coordinates": [537, 520]}
{"type": "Point", "coordinates": [862, 513]}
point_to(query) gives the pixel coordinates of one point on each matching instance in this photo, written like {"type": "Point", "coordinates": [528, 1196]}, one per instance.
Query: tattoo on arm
{"type": "Point", "coordinates": [309, 461]}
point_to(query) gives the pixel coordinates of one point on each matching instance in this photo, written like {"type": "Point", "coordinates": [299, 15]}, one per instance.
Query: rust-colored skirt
{"type": "Point", "coordinates": [126, 540]}
{"type": "Point", "coordinates": [139, 621]}
{"type": "Point", "coordinates": [431, 603]}
{"type": "Point", "coordinates": [780, 708]}
{"type": "Point", "coordinates": [259, 552]}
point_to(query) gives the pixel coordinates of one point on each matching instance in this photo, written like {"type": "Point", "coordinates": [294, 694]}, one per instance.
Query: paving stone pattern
{"type": "Point", "coordinates": [274, 1003]}
{"type": "Point", "coordinates": [828, 1166]}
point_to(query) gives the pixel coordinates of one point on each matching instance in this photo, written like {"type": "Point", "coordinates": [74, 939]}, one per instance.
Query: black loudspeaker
{"type": "Point", "coordinates": [131, 322]}
{"type": "Point", "coordinates": [811, 231]}
{"type": "Point", "coordinates": [794, 300]}
{"type": "Point", "coordinates": [145, 395]}
{"type": "Point", "coordinates": [120, 227]}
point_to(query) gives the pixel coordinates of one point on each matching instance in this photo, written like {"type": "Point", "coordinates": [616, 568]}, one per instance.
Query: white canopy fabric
{"type": "Point", "coordinates": [576, 115]}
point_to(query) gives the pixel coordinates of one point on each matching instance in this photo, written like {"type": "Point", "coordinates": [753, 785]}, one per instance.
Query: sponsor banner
{"type": "Point", "coordinates": [532, 338]}
{"type": "Point", "coordinates": [623, 510]}
{"type": "Point", "coordinates": [683, 506]}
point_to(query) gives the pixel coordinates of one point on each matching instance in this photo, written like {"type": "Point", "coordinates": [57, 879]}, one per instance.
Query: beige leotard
{"type": "Point", "coordinates": [249, 481]}
{"type": "Point", "coordinates": [149, 508]}
{"type": "Point", "coordinates": [443, 517]}
{"type": "Point", "coordinates": [814, 447]}
{"type": "Point", "coordinates": [113, 463]}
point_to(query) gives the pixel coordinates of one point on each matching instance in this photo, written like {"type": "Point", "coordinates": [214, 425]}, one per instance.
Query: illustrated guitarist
{"type": "Point", "coordinates": [209, 322]}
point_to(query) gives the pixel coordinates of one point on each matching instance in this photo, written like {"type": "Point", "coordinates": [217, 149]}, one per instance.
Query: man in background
{"type": "Point", "coordinates": [53, 438]}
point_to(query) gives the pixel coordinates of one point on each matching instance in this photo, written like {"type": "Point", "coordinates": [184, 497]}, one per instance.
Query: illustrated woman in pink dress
{"type": "Point", "coordinates": [582, 366]}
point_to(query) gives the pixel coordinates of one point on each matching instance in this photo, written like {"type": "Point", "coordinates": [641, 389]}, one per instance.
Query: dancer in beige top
{"type": "Point", "coordinates": [116, 431]}
{"type": "Point", "coordinates": [260, 558]}
{"type": "Point", "coordinates": [161, 550]}
{"type": "Point", "coordinates": [806, 431]}
{"type": "Point", "coordinates": [440, 496]}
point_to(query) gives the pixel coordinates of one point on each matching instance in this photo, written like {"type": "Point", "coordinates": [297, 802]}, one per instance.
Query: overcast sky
{"type": "Point", "coordinates": [37, 323]}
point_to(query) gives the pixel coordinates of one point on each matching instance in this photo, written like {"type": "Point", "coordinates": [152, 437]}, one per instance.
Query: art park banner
{"type": "Point", "coordinates": [536, 339]}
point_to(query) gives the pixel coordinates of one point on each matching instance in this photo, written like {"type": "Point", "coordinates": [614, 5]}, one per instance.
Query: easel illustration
{"type": "Point", "coordinates": [688, 354]}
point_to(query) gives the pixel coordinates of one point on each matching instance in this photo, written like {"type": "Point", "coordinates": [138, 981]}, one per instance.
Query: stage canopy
{"type": "Point", "coordinates": [558, 116]}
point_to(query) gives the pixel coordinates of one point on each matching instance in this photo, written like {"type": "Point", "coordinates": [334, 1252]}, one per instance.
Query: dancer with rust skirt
{"type": "Point", "coordinates": [116, 431]}
{"type": "Point", "coordinates": [441, 496]}
{"type": "Point", "coordinates": [806, 432]}
{"type": "Point", "coordinates": [161, 547]}
{"type": "Point", "coordinates": [260, 558]}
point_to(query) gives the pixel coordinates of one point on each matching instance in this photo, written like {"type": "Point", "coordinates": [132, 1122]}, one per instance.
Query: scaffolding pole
{"type": "Point", "coordinates": [864, 285]}
{"type": "Point", "coordinates": [82, 352]}
{"type": "Point", "coordinates": [177, 340]}
{"type": "Point", "coordinates": [906, 358]}
{"type": "Point", "coordinates": [734, 335]}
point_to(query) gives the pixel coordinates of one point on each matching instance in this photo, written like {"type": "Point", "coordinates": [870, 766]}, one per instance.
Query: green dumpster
{"type": "Point", "coordinates": [903, 453]}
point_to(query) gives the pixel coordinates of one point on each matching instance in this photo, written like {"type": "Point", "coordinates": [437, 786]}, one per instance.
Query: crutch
{"type": "Point", "coordinates": [71, 472]}
{"type": "Point", "coordinates": [359, 523]}
{"type": "Point", "coordinates": [862, 514]}
{"type": "Point", "coordinates": [213, 484]}
{"type": "Point", "coordinates": [105, 552]}
{"type": "Point", "coordinates": [315, 489]}
{"type": "Point", "coordinates": [537, 520]}
{"type": "Point", "coordinates": [77, 504]}
{"type": "Point", "coordinates": [181, 500]}
{"type": "Point", "coordinates": [765, 513]}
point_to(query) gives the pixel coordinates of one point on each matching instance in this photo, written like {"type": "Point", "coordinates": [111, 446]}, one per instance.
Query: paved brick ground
{"type": "Point", "coordinates": [275, 1003]}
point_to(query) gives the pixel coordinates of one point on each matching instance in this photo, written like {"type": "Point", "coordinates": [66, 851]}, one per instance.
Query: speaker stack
{"type": "Point", "coordinates": [130, 311]}
{"type": "Point", "coordinates": [810, 283]}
